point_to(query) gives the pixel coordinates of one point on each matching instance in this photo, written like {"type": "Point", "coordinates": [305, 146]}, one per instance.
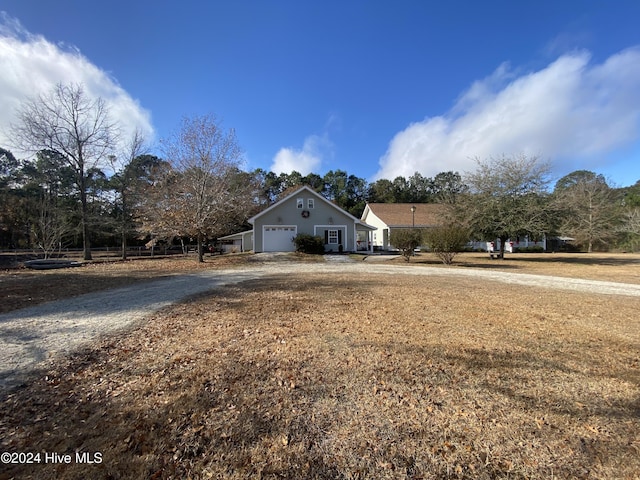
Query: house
{"type": "Point", "coordinates": [386, 217]}
{"type": "Point", "coordinates": [303, 211]}
{"type": "Point", "coordinates": [523, 242]}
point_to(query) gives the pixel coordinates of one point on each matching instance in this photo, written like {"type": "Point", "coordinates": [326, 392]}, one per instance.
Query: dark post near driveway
{"type": "Point", "coordinates": [413, 216]}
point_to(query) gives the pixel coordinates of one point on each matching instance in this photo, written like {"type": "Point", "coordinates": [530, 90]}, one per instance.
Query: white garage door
{"type": "Point", "coordinates": [278, 238]}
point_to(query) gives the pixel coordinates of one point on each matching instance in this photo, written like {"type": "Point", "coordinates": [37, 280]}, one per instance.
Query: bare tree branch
{"type": "Point", "coordinates": [202, 195]}
{"type": "Point", "coordinates": [66, 121]}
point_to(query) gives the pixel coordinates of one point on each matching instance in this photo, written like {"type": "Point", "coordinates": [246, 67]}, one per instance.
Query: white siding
{"type": "Point", "coordinates": [378, 236]}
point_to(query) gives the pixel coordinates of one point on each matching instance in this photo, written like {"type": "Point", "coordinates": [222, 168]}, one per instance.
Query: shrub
{"type": "Point", "coordinates": [406, 240]}
{"type": "Point", "coordinates": [306, 243]}
{"type": "Point", "coordinates": [446, 241]}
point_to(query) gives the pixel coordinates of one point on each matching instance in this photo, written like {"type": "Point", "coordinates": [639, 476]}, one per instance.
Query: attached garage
{"type": "Point", "coordinates": [306, 211]}
{"type": "Point", "coordinates": [278, 238]}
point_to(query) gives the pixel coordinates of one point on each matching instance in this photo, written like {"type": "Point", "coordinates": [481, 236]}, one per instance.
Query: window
{"type": "Point", "coordinates": [310, 203]}
{"type": "Point", "coordinates": [333, 237]}
{"type": "Point", "coordinates": [300, 203]}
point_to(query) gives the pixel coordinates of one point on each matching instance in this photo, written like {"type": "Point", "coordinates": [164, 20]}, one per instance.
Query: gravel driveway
{"type": "Point", "coordinates": [34, 335]}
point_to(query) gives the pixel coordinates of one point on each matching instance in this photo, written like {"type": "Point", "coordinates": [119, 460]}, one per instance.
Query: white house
{"type": "Point", "coordinates": [386, 217]}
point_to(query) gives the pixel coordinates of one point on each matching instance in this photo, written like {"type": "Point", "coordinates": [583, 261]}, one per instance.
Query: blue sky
{"type": "Point", "coordinates": [376, 88]}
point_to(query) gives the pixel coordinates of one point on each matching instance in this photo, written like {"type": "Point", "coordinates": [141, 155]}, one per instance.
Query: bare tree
{"type": "Point", "coordinates": [206, 192]}
{"type": "Point", "coordinates": [630, 228]}
{"type": "Point", "coordinates": [49, 227]}
{"type": "Point", "coordinates": [51, 197]}
{"type": "Point", "coordinates": [66, 121]}
{"type": "Point", "coordinates": [508, 197]}
{"type": "Point", "coordinates": [590, 212]}
{"type": "Point", "coordinates": [157, 209]}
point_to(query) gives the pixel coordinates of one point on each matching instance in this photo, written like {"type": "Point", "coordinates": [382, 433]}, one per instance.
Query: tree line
{"type": "Point", "coordinates": [352, 193]}
{"type": "Point", "coordinates": [79, 189]}
{"type": "Point", "coordinates": [140, 201]}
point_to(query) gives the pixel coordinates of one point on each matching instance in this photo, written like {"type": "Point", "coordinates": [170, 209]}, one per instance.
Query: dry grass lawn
{"type": "Point", "coordinates": [614, 267]}
{"type": "Point", "coordinates": [23, 288]}
{"type": "Point", "coordinates": [342, 376]}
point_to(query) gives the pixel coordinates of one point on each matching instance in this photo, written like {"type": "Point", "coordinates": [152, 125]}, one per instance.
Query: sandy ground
{"type": "Point", "coordinates": [31, 336]}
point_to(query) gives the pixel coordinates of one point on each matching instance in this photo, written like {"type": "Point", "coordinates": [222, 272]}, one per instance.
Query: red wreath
{"type": "Point", "coordinates": [305, 213]}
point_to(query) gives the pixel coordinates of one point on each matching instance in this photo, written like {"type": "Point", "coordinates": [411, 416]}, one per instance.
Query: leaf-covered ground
{"type": "Point", "coordinates": [348, 376]}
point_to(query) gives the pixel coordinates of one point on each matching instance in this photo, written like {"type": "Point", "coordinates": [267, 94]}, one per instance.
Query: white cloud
{"type": "Point", "coordinates": [304, 161]}
{"type": "Point", "coordinates": [569, 110]}
{"type": "Point", "coordinates": [30, 65]}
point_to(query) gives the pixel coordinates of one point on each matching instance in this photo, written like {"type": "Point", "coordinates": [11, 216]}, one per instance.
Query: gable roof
{"type": "Point", "coordinates": [400, 215]}
{"type": "Point", "coordinates": [309, 190]}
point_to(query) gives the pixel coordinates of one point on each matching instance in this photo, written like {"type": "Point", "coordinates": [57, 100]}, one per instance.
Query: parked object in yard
{"type": "Point", "coordinates": [50, 264]}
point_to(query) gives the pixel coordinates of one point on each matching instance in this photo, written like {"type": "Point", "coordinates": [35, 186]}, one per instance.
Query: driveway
{"type": "Point", "coordinates": [33, 336]}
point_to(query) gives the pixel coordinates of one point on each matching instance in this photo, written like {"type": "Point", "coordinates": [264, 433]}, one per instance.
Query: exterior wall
{"type": "Point", "coordinates": [333, 244]}
{"type": "Point", "coordinates": [378, 237]}
{"type": "Point", "coordinates": [322, 216]}
{"type": "Point", "coordinates": [247, 241]}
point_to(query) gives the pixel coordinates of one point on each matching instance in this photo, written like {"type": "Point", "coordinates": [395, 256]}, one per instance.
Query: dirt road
{"type": "Point", "coordinates": [35, 335]}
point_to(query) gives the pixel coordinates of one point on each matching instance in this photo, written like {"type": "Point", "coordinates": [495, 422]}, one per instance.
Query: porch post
{"type": "Point", "coordinates": [355, 237]}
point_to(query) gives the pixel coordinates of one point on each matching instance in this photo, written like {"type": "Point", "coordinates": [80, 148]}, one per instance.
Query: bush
{"type": "Point", "coordinates": [406, 240]}
{"type": "Point", "coordinates": [306, 243]}
{"type": "Point", "coordinates": [446, 241]}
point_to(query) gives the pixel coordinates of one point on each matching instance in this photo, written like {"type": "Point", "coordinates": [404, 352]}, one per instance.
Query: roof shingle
{"type": "Point", "coordinates": [400, 215]}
